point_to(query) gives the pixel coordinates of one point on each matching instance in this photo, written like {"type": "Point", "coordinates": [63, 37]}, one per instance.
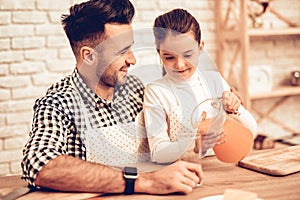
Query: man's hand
{"type": "Point", "coordinates": [179, 177]}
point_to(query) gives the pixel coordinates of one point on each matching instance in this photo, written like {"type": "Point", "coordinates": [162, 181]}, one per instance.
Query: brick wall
{"type": "Point", "coordinates": [34, 52]}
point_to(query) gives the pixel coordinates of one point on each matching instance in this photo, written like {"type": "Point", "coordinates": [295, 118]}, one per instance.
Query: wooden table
{"type": "Point", "coordinates": [218, 177]}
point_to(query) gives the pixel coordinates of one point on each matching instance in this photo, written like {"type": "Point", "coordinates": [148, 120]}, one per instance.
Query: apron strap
{"type": "Point", "coordinates": [84, 109]}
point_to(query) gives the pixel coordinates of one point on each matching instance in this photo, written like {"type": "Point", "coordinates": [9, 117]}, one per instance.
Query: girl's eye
{"type": "Point", "coordinates": [169, 58]}
{"type": "Point", "coordinates": [187, 55]}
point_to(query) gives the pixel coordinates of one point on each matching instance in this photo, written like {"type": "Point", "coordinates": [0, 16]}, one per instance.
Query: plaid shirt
{"type": "Point", "coordinates": [58, 122]}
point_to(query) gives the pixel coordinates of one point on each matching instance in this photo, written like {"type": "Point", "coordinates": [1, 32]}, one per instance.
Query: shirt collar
{"type": "Point", "coordinates": [87, 94]}
{"type": "Point", "coordinates": [194, 80]}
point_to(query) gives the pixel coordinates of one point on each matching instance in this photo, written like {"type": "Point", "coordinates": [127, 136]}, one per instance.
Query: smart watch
{"type": "Point", "coordinates": [130, 174]}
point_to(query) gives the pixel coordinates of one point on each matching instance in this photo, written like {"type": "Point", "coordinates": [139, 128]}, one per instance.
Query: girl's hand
{"type": "Point", "coordinates": [231, 101]}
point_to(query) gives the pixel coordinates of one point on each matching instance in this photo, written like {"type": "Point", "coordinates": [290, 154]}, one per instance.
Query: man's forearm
{"type": "Point", "coordinates": [67, 173]}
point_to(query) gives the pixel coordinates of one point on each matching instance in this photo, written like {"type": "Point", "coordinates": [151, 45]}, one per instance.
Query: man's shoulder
{"type": "Point", "coordinates": [60, 91]}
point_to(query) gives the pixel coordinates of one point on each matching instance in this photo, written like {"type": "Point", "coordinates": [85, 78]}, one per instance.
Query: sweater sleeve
{"type": "Point", "coordinates": [218, 85]}
{"type": "Point", "coordinates": [162, 149]}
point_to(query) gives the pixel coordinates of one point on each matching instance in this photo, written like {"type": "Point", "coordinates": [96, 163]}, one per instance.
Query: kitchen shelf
{"type": "Point", "coordinates": [234, 44]}
{"type": "Point", "coordinates": [273, 32]}
{"type": "Point", "coordinates": [277, 92]}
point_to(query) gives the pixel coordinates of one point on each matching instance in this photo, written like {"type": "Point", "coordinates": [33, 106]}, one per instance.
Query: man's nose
{"type": "Point", "coordinates": [130, 59]}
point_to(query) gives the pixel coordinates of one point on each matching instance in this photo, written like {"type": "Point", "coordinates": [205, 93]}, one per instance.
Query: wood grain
{"type": "Point", "coordinates": [279, 162]}
{"type": "Point", "coordinates": [218, 177]}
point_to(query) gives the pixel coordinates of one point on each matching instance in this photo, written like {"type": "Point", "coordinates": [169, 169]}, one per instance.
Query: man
{"type": "Point", "coordinates": [64, 151]}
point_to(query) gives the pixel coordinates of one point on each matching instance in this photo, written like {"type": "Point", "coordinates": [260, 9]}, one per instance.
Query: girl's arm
{"type": "Point", "coordinates": [156, 105]}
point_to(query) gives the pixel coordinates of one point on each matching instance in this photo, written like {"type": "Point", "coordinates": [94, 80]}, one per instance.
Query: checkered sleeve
{"type": "Point", "coordinates": [47, 139]}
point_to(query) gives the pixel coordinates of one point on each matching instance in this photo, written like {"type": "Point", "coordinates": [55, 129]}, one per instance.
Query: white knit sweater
{"type": "Point", "coordinates": [165, 95]}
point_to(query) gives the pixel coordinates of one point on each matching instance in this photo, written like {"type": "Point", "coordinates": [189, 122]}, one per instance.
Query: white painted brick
{"type": "Point", "coordinates": [14, 130]}
{"type": "Point", "coordinates": [28, 42]}
{"type": "Point", "coordinates": [46, 79]}
{"type": "Point", "coordinates": [145, 5]}
{"type": "Point", "coordinates": [57, 41]}
{"type": "Point", "coordinates": [2, 123]}
{"type": "Point", "coordinates": [52, 5]}
{"type": "Point", "coordinates": [4, 168]}
{"type": "Point", "coordinates": [73, 2]}
{"type": "Point", "coordinates": [27, 92]}
{"type": "Point", "coordinates": [297, 43]}
{"type": "Point", "coordinates": [147, 16]}
{"type": "Point", "coordinates": [41, 54]}
{"type": "Point", "coordinates": [261, 43]}
{"type": "Point", "coordinates": [211, 27]}
{"type": "Point", "coordinates": [284, 62]}
{"type": "Point", "coordinates": [16, 30]}
{"type": "Point", "coordinates": [16, 106]}
{"type": "Point", "coordinates": [61, 65]}
{"type": "Point", "coordinates": [11, 155]}
{"type": "Point", "coordinates": [282, 41]}
{"type": "Point", "coordinates": [257, 52]}
{"type": "Point", "coordinates": [17, 142]}
{"type": "Point", "coordinates": [14, 81]}
{"type": "Point", "coordinates": [196, 4]}
{"type": "Point", "coordinates": [203, 15]}
{"type": "Point", "coordinates": [11, 56]}
{"type": "Point", "coordinates": [17, 5]}
{"type": "Point", "coordinates": [29, 17]}
{"type": "Point", "coordinates": [4, 43]}
{"type": "Point", "coordinates": [49, 29]}
{"type": "Point", "coordinates": [4, 94]}
{"type": "Point", "coordinates": [211, 4]}
{"type": "Point", "coordinates": [253, 61]}
{"type": "Point", "coordinates": [170, 4]}
{"type": "Point", "coordinates": [27, 67]}
{"type": "Point", "coordinates": [65, 53]}
{"type": "Point", "coordinates": [1, 145]}
{"type": "Point", "coordinates": [5, 18]}
{"type": "Point", "coordinates": [54, 17]}
{"type": "Point", "coordinates": [15, 167]}
{"type": "Point", "coordinates": [3, 69]}
{"type": "Point", "coordinates": [20, 117]}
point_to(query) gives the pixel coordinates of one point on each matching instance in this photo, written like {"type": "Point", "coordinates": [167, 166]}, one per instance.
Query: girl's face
{"type": "Point", "coordinates": [179, 55]}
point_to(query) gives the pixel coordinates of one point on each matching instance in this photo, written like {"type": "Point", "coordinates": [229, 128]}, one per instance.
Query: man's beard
{"type": "Point", "coordinates": [113, 81]}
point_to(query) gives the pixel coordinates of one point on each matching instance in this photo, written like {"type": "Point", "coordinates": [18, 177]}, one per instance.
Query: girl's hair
{"type": "Point", "coordinates": [175, 21]}
{"type": "Point", "coordinates": [85, 23]}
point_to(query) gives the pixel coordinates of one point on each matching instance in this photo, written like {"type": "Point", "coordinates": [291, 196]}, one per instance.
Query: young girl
{"type": "Point", "coordinates": [170, 101]}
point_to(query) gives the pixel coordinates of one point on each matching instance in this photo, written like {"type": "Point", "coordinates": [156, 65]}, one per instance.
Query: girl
{"type": "Point", "coordinates": [170, 101]}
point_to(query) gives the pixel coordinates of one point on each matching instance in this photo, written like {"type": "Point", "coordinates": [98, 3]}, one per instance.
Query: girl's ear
{"type": "Point", "coordinates": [87, 55]}
{"type": "Point", "coordinates": [201, 46]}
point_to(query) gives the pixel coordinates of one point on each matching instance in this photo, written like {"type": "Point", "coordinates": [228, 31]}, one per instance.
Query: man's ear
{"type": "Point", "coordinates": [87, 55]}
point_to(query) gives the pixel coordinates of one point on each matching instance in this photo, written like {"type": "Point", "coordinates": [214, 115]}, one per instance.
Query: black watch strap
{"type": "Point", "coordinates": [130, 175]}
{"type": "Point", "coordinates": [129, 188]}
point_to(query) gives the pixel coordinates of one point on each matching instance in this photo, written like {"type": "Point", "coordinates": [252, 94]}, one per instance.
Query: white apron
{"type": "Point", "coordinates": [181, 120]}
{"type": "Point", "coordinates": [115, 145]}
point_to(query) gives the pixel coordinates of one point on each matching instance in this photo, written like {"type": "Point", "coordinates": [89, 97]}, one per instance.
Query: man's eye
{"type": "Point", "coordinates": [123, 52]}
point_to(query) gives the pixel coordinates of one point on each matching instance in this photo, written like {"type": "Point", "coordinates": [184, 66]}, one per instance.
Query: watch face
{"type": "Point", "coordinates": [130, 171]}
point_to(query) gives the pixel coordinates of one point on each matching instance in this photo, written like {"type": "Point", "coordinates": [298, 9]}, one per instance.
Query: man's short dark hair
{"type": "Point", "coordinates": [85, 23]}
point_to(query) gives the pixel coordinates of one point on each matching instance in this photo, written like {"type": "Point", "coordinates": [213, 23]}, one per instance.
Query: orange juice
{"type": "Point", "coordinates": [238, 142]}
